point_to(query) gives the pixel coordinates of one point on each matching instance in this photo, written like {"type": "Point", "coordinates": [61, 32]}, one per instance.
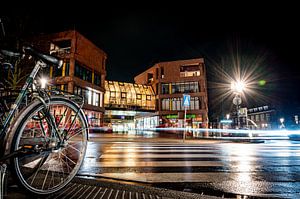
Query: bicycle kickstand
{"type": "Point", "coordinates": [2, 180]}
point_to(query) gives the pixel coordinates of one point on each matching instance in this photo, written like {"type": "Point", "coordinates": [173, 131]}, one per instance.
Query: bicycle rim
{"type": "Point", "coordinates": [50, 169]}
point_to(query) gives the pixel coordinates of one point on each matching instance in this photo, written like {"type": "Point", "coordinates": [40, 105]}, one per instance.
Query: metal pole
{"type": "Point", "coordinates": [184, 123]}
{"type": "Point", "coordinates": [238, 116]}
{"type": "Point", "coordinates": [2, 180]}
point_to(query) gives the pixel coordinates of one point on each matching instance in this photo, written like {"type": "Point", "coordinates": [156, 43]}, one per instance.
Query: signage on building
{"type": "Point", "coordinates": [226, 121]}
{"type": "Point", "coordinates": [186, 100]}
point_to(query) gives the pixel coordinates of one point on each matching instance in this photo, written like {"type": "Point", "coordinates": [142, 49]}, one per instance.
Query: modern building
{"type": "Point", "coordinates": [170, 80]}
{"type": "Point", "coordinates": [127, 104]}
{"type": "Point", "coordinates": [83, 71]}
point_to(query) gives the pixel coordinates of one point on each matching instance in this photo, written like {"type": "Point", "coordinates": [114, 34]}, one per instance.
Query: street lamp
{"type": "Point", "coordinates": [281, 122]}
{"type": "Point", "coordinates": [237, 88]}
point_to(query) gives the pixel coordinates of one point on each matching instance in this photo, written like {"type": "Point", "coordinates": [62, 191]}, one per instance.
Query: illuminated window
{"type": "Point", "coordinates": [162, 72]}
{"type": "Point", "coordinates": [149, 97]}
{"type": "Point", "coordinates": [95, 99]}
{"type": "Point", "coordinates": [113, 94]}
{"type": "Point", "coordinates": [190, 70]}
{"type": "Point", "coordinates": [139, 96]}
{"type": "Point", "coordinates": [123, 95]}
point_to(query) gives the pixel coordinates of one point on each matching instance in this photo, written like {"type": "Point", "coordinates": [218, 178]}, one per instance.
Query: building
{"type": "Point", "coordinates": [262, 117]}
{"type": "Point", "coordinates": [83, 71]}
{"type": "Point", "coordinates": [127, 104]}
{"type": "Point", "coordinates": [170, 80]}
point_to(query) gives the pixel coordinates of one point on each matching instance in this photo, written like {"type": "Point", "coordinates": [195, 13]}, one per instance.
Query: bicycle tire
{"type": "Point", "coordinates": [45, 173]}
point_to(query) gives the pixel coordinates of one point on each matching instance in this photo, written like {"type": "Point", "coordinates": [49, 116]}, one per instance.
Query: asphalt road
{"type": "Point", "coordinates": [212, 167]}
{"type": "Point", "coordinates": [202, 166]}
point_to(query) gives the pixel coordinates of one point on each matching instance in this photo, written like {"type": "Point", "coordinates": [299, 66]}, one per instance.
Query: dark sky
{"type": "Point", "coordinates": [137, 37]}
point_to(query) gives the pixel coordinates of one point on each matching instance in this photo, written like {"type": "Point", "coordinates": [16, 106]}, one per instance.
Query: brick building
{"type": "Point", "coordinates": [83, 71]}
{"type": "Point", "coordinates": [170, 80]}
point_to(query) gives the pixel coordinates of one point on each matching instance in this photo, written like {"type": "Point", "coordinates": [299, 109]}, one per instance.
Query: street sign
{"type": "Point", "coordinates": [186, 100]}
{"type": "Point", "coordinates": [237, 100]}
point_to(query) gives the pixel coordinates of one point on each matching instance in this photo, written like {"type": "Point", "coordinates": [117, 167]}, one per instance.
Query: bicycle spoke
{"type": "Point", "coordinates": [76, 133]}
{"type": "Point", "coordinates": [68, 158]}
{"type": "Point", "coordinates": [50, 170]}
{"type": "Point", "coordinates": [74, 148]}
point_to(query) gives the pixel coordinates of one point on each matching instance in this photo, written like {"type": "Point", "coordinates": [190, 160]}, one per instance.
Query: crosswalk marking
{"type": "Point", "coordinates": [151, 156]}
{"type": "Point", "coordinates": [164, 162]}
{"type": "Point", "coordinates": [156, 164]}
{"type": "Point", "coordinates": [212, 177]}
{"type": "Point", "coordinates": [184, 150]}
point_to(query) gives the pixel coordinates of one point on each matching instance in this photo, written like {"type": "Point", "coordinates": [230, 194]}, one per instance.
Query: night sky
{"type": "Point", "coordinates": [136, 38]}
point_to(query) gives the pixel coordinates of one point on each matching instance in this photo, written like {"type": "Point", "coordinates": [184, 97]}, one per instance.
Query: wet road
{"type": "Point", "coordinates": [269, 169]}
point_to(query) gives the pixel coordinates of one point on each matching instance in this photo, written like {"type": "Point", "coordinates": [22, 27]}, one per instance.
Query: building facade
{"type": "Point", "coordinates": [83, 71]}
{"type": "Point", "coordinates": [260, 118]}
{"type": "Point", "coordinates": [263, 117]}
{"type": "Point", "coordinates": [170, 80]}
{"type": "Point", "coordinates": [126, 104]}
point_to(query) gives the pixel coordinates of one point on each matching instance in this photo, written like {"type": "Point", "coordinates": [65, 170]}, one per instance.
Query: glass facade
{"type": "Point", "coordinates": [91, 96]}
{"type": "Point", "coordinates": [61, 72]}
{"type": "Point", "coordinates": [181, 87]}
{"type": "Point", "coordinates": [176, 104]}
{"type": "Point", "coordinates": [128, 95]}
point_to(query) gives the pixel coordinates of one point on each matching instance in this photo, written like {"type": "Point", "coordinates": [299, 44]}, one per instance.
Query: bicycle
{"type": "Point", "coordinates": [45, 143]}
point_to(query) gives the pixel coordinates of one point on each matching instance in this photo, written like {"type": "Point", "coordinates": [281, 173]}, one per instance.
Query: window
{"type": "Point", "coordinates": [95, 99]}
{"type": "Point", "coordinates": [148, 97]}
{"type": "Point", "coordinates": [149, 77]}
{"type": "Point", "coordinates": [60, 48]}
{"type": "Point", "coordinates": [97, 79]}
{"type": "Point", "coordinates": [138, 96]}
{"type": "Point", "coordinates": [83, 73]}
{"type": "Point", "coordinates": [189, 71]}
{"type": "Point", "coordinates": [268, 117]}
{"type": "Point", "coordinates": [175, 88]}
{"type": "Point", "coordinates": [162, 72]}
{"type": "Point", "coordinates": [185, 87]}
{"type": "Point", "coordinates": [165, 88]}
{"type": "Point", "coordinates": [113, 94]}
{"type": "Point", "coordinates": [123, 95]}
{"type": "Point", "coordinates": [257, 118]}
{"type": "Point", "coordinates": [262, 116]}
{"type": "Point", "coordinates": [165, 104]}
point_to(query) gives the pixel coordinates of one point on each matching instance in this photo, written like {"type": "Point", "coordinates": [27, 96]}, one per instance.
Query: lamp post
{"type": "Point", "coordinates": [281, 123]}
{"type": "Point", "coordinates": [237, 88]}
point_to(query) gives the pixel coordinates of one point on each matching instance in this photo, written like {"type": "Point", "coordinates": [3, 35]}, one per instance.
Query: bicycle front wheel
{"type": "Point", "coordinates": [50, 164]}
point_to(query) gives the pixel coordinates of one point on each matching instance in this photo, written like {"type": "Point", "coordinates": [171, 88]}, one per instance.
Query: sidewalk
{"type": "Point", "coordinates": [109, 189]}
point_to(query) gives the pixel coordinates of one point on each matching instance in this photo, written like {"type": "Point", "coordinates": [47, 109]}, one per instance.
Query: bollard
{"type": "Point", "coordinates": [2, 180]}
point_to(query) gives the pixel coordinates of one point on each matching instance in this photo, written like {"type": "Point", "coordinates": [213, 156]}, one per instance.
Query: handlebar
{"type": "Point", "coordinates": [29, 50]}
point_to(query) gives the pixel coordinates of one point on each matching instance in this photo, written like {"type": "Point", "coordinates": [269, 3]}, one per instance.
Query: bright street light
{"type": "Point", "coordinates": [238, 86]}
{"type": "Point", "coordinates": [281, 121]}
{"type": "Point", "coordinates": [43, 82]}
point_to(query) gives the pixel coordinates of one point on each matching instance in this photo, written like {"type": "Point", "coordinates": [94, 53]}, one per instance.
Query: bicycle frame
{"type": "Point", "coordinates": [20, 98]}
